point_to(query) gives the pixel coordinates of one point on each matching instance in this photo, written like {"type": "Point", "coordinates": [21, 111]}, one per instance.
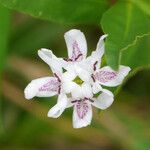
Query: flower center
{"type": "Point", "coordinates": [78, 80]}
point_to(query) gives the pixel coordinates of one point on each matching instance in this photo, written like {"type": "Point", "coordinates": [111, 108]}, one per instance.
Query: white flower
{"type": "Point", "coordinates": [76, 79]}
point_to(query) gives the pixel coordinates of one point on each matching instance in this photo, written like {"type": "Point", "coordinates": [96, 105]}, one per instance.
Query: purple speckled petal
{"type": "Point", "coordinates": [42, 87]}
{"type": "Point", "coordinates": [76, 45]}
{"type": "Point", "coordinates": [108, 77]}
{"type": "Point", "coordinates": [82, 114]}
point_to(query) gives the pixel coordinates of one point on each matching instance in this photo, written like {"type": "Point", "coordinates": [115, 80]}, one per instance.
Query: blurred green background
{"type": "Point", "coordinates": [24, 124]}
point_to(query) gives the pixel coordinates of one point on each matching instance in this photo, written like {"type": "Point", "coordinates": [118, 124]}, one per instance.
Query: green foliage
{"type": "Point", "coordinates": [62, 11]}
{"type": "Point", "coordinates": [137, 55]}
{"type": "Point", "coordinates": [144, 5]}
{"type": "Point", "coordinates": [124, 22]}
{"type": "Point", "coordinates": [4, 31]}
{"type": "Point", "coordinates": [32, 29]}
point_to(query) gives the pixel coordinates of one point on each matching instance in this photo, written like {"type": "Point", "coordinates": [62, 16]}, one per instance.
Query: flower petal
{"type": "Point", "coordinates": [69, 75]}
{"type": "Point", "coordinates": [48, 57]}
{"type": "Point", "coordinates": [76, 44]}
{"type": "Point", "coordinates": [108, 77]}
{"type": "Point", "coordinates": [77, 92]}
{"type": "Point", "coordinates": [68, 86]}
{"type": "Point", "coordinates": [82, 73]}
{"type": "Point", "coordinates": [94, 60]}
{"type": "Point", "coordinates": [96, 87]}
{"type": "Point", "coordinates": [58, 109]}
{"type": "Point", "coordinates": [42, 87]}
{"type": "Point", "coordinates": [101, 46]}
{"type": "Point", "coordinates": [104, 100]}
{"type": "Point", "coordinates": [69, 104]}
{"type": "Point", "coordinates": [82, 114]}
{"type": "Point", "coordinates": [67, 80]}
{"type": "Point", "coordinates": [87, 90]}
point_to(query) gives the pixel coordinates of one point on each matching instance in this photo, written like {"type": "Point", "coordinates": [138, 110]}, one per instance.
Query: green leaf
{"type": "Point", "coordinates": [123, 23]}
{"type": "Point", "coordinates": [137, 55]}
{"type": "Point", "coordinates": [144, 5]}
{"type": "Point", "coordinates": [63, 11]}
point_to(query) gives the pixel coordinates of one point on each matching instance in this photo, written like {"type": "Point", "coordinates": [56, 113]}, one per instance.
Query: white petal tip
{"type": "Point", "coordinates": [129, 69]}
{"type": "Point", "coordinates": [30, 91]}
{"type": "Point", "coordinates": [50, 114]}
{"type": "Point", "coordinates": [125, 70]}
{"type": "Point", "coordinates": [105, 103]}
{"type": "Point", "coordinates": [40, 52]}
{"type": "Point", "coordinates": [28, 95]}
{"type": "Point", "coordinates": [43, 49]}
{"type": "Point", "coordinates": [72, 32]}
{"type": "Point", "coordinates": [56, 111]}
{"type": "Point", "coordinates": [103, 36]}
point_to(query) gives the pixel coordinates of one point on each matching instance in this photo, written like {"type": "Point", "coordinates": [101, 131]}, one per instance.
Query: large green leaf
{"type": "Point", "coordinates": [137, 55]}
{"type": "Point", "coordinates": [63, 11]}
{"type": "Point", "coordinates": [144, 5]}
{"type": "Point", "coordinates": [124, 23]}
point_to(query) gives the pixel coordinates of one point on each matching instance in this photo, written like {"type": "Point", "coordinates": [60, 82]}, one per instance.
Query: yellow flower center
{"type": "Point", "coordinates": [78, 80]}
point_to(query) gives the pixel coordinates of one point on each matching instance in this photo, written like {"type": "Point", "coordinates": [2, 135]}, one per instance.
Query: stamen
{"type": "Point", "coordinates": [74, 101]}
{"type": "Point", "coordinates": [86, 98]}
{"type": "Point", "coordinates": [59, 89]}
{"type": "Point", "coordinates": [78, 56]}
{"type": "Point", "coordinates": [91, 100]}
{"type": "Point", "coordinates": [79, 100]}
{"type": "Point", "coordinates": [92, 76]}
{"type": "Point", "coordinates": [94, 66]}
{"type": "Point", "coordinates": [67, 59]}
{"type": "Point", "coordinates": [57, 77]}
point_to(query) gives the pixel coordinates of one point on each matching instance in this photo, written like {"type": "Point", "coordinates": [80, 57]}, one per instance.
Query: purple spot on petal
{"type": "Point", "coordinates": [105, 76]}
{"type": "Point", "coordinates": [94, 65]}
{"type": "Point", "coordinates": [50, 86]}
{"type": "Point", "coordinates": [82, 108]}
{"type": "Point", "coordinates": [93, 77]}
{"type": "Point", "coordinates": [76, 53]}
